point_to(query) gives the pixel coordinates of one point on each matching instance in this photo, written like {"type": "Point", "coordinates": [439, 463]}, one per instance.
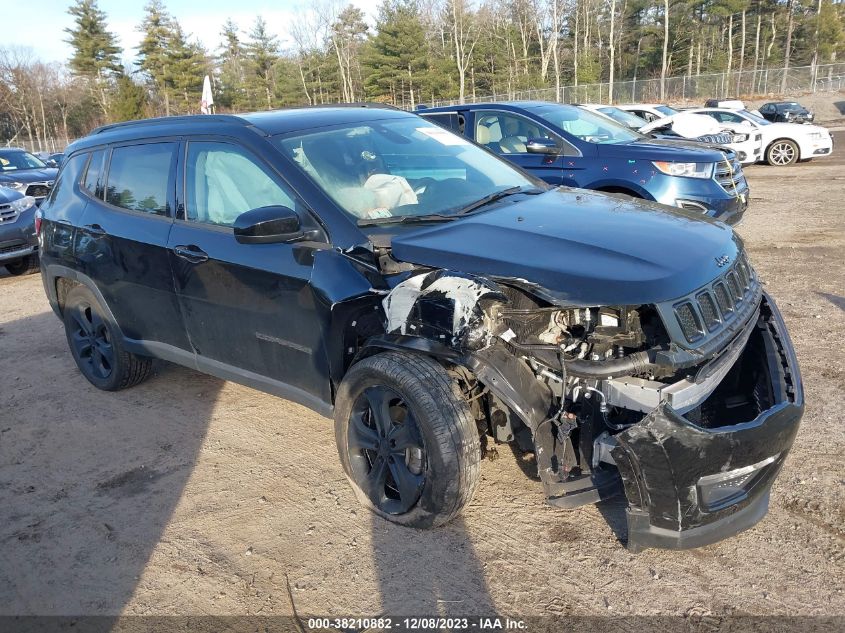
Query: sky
{"type": "Point", "coordinates": [40, 26]}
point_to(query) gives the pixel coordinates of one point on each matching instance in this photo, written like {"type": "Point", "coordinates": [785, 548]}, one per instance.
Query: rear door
{"type": "Point", "coordinates": [508, 134]}
{"type": "Point", "coordinates": [245, 306]}
{"type": "Point", "coordinates": [124, 232]}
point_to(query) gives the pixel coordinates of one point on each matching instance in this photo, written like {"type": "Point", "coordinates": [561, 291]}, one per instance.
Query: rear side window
{"type": "Point", "coordinates": [140, 177]}
{"type": "Point", "coordinates": [222, 181]}
{"type": "Point", "coordinates": [93, 181]}
{"type": "Point", "coordinates": [70, 173]}
{"type": "Point", "coordinates": [450, 120]}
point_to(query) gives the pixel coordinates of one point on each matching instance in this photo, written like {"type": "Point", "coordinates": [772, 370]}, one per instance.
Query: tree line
{"type": "Point", "coordinates": [417, 51]}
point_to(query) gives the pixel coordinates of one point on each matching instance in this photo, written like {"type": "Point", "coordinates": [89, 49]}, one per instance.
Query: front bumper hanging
{"type": "Point", "coordinates": [689, 486]}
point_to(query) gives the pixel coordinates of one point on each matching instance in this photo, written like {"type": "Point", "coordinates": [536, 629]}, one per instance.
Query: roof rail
{"type": "Point", "coordinates": [190, 119]}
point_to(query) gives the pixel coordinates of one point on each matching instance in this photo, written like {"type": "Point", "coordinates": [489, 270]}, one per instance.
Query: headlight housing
{"type": "Point", "coordinates": [685, 170]}
{"type": "Point", "coordinates": [22, 204]}
{"type": "Point", "coordinates": [740, 138]}
{"type": "Point", "coordinates": [11, 184]}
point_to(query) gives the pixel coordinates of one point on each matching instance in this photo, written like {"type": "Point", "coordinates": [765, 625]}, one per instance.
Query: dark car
{"type": "Point", "coordinates": [571, 146]}
{"type": "Point", "coordinates": [786, 112]}
{"type": "Point", "coordinates": [424, 293]}
{"type": "Point", "coordinates": [18, 243]}
{"type": "Point", "coordinates": [28, 174]}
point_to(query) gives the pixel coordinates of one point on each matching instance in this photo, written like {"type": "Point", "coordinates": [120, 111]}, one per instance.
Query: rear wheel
{"type": "Point", "coordinates": [97, 345]}
{"type": "Point", "coordinates": [782, 152]}
{"type": "Point", "coordinates": [24, 266]}
{"type": "Point", "coordinates": [407, 439]}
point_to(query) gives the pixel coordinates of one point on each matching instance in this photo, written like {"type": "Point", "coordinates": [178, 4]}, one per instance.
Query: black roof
{"type": "Point", "coordinates": [264, 123]}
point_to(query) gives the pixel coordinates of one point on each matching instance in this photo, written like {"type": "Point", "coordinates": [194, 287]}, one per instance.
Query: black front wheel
{"type": "Point", "coordinates": [97, 345]}
{"type": "Point", "coordinates": [407, 439]}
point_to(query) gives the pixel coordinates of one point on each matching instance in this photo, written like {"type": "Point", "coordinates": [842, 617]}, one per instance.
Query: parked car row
{"type": "Point", "coordinates": [408, 280]}
{"type": "Point", "coordinates": [572, 146]}
{"type": "Point", "coordinates": [771, 138]}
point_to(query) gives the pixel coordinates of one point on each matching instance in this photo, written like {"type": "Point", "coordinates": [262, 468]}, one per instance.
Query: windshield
{"type": "Point", "coordinates": [625, 118]}
{"type": "Point", "coordinates": [757, 119]}
{"type": "Point", "coordinates": [585, 125]}
{"type": "Point", "coordinates": [16, 161]}
{"type": "Point", "coordinates": [401, 168]}
{"type": "Point", "coordinates": [666, 110]}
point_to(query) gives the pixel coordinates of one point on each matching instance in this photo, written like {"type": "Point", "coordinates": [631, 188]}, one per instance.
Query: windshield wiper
{"type": "Point", "coordinates": [405, 219]}
{"type": "Point", "coordinates": [496, 195]}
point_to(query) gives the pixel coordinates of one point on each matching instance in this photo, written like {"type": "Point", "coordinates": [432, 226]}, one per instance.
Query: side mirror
{"type": "Point", "coordinates": [268, 225]}
{"type": "Point", "coordinates": [542, 146]}
{"type": "Point", "coordinates": [51, 163]}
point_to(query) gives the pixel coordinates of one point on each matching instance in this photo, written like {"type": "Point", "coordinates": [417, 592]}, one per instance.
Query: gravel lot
{"type": "Point", "coordinates": [190, 495]}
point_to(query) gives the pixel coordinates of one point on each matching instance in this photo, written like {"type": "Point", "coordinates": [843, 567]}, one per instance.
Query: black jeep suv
{"type": "Point", "coordinates": [426, 294]}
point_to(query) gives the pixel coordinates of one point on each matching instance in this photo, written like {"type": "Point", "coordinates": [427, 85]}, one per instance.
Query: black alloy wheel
{"type": "Point", "coordinates": [386, 451]}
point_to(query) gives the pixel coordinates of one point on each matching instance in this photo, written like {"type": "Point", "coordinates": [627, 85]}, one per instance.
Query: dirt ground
{"type": "Point", "coordinates": [190, 495]}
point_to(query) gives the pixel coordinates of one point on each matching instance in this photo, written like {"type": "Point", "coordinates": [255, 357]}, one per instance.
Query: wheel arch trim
{"type": "Point", "coordinates": [508, 379]}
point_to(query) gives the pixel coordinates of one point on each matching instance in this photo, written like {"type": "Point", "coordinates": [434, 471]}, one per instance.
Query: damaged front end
{"type": "Point", "coordinates": [689, 406]}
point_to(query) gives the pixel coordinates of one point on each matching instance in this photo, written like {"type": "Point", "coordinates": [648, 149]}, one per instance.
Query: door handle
{"type": "Point", "coordinates": [95, 230]}
{"type": "Point", "coordinates": [193, 254]}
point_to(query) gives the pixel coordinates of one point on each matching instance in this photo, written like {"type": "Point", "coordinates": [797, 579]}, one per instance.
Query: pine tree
{"type": "Point", "coordinates": [129, 100]}
{"type": "Point", "coordinates": [186, 68]}
{"type": "Point", "coordinates": [95, 49]}
{"type": "Point", "coordinates": [153, 51]}
{"type": "Point", "coordinates": [395, 60]}
{"type": "Point", "coordinates": [232, 93]}
{"type": "Point", "coordinates": [262, 51]}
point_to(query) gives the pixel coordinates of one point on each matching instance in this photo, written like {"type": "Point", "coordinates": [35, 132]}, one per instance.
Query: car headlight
{"type": "Point", "coordinates": [740, 138]}
{"type": "Point", "coordinates": [686, 170]}
{"type": "Point", "coordinates": [17, 186]}
{"type": "Point", "coordinates": [22, 204]}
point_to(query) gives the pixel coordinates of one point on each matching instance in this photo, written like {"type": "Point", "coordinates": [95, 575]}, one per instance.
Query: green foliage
{"type": "Point", "coordinates": [262, 52]}
{"type": "Point", "coordinates": [129, 100]}
{"type": "Point", "coordinates": [95, 49]}
{"type": "Point", "coordinates": [174, 66]}
{"type": "Point", "coordinates": [395, 60]}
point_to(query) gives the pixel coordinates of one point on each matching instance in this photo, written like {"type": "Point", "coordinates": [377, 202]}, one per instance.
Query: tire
{"type": "Point", "coordinates": [425, 438]}
{"type": "Point", "coordinates": [97, 344]}
{"type": "Point", "coordinates": [782, 152]}
{"type": "Point", "coordinates": [25, 266]}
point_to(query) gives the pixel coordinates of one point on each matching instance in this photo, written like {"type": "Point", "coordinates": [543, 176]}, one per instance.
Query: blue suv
{"type": "Point", "coordinates": [566, 145]}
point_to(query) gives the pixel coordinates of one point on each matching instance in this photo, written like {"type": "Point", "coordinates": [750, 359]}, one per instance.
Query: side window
{"type": "Point", "coordinates": [223, 181]}
{"type": "Point", "coordinates": [450, 120]}
{"type": "Point", "coordinates": [93, 181]}
{"type": "Point", "coordinates": [506, 133]}
{"type": "Point", "coordinates": [140, 177]}
{"type": "Point", "coordinates": [69, 173]}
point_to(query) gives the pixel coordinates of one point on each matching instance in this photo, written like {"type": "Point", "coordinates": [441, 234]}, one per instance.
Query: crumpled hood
{"type": "Point", "coordinates": [579, 247]}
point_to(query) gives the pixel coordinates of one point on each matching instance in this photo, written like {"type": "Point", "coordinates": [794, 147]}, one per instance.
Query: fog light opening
{"type": "Point", "coordinates": [726, 488]}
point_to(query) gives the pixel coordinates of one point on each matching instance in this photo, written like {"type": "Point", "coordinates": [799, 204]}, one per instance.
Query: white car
{"type": "Point", "coordinates": [649, 111]}
{"type": "Point", "coordinates": [783, 143]}
{"type": "Point", "coordinates": [747, 145]}
{"type": "Point", "coordinates": [619, 115]}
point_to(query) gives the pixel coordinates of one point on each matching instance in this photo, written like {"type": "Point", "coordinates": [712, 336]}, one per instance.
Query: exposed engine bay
{"type": "Point", "coordinates": [585, 380]}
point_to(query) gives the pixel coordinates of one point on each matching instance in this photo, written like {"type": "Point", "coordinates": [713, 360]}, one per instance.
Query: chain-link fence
{"type": "Point", "coordinates": [697, 88]}
{"type": "Point", "coordinates": [48, 145]}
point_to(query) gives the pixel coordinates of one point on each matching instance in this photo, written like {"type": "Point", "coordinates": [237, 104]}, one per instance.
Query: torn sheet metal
{"type": "Point", "coordinates": [440, 305]}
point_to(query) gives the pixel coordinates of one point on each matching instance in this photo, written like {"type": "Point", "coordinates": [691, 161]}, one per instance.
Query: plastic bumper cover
{"type": "Point", "coordinates": [689, 486]}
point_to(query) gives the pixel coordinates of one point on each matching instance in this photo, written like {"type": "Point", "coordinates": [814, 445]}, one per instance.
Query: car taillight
{"type": "Point", "coordinates": [38, 215]}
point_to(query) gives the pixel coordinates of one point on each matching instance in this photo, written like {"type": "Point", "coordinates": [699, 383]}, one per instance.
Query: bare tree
{"type": "Point", "coordinates": [663, 65]}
